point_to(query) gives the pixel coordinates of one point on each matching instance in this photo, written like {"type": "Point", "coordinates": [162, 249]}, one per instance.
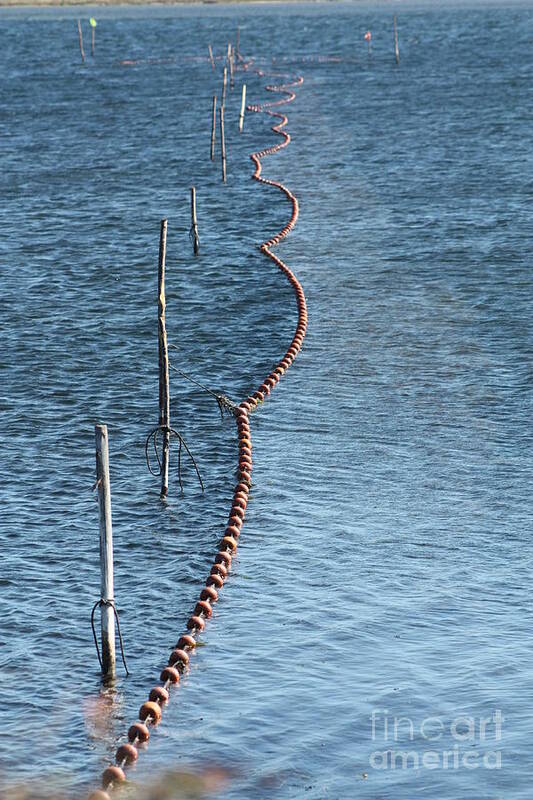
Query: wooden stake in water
{"type": "Point", "coordinates": [194, 223]}
{"type": "Point", "coordinates": [164, 382]}
{"type": "Point", "coordinates": [212, 60]}
{"type": "Point", "coordinates": [106, 552]}
{"type": "Point", "coordinates": [213, 126]}
{"type": "Point", "coordinates": [222, 145]}
{"type": "Point", "coordinates": [243, 106]}
{"type": "Point", "coordinates": [238, 43]}
{"type": "Point", "coordinates": [231, 70]}
{"type": "Point", "coordinates": [224, 83]}
{"type": "Point", "coordinates": [80, 36]}
{"type": "Point", "coordinates": [92, 23]}
{"type": "Point", "coordinates": [396, 48]}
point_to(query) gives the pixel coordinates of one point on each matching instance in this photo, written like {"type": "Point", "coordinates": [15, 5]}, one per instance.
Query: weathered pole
{"type": "Point", "coordinates": [396, 47]}
{"type": "Point", "coordinates": [222, 145]}
{"type": "Point", "coordinates": [224, 83]}
{"type": "Point", "coordinates": [213, 127]}
{"type": "Point", "coordinates": [80, 36]}
{"type": "Point", "coordinates": [212, 60]}
{"type": "Point", "coordinates": [164, 382]}
{"type": "Point", "coordinates": [106, 552]}
{"type": "Point", "coordinates": [92, 23]}
{"type": "Point", "coordinates": [194, 222]}
{"type": "Point", "coordinates": [243, 105]}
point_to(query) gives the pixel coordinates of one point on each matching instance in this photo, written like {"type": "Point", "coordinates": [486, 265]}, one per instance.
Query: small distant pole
{"type": "Point", "coordinates": [194, 222]}
{"type": "Point", "coordinates": [228, 54]}
{"type": "Point", "coordinates": [80, 36]}
{"type": "Point", "coordinates": [213, 126]}
{"type": "Point", "coordinates": [243, 105]}
{"type": "Point", "coordinates": [92, 23]}
{"type": "Point", "coordinates": [212, 60]}
{"type": "Point", "coordinates": [224, 83]}
{"type": "Point", "coordinates": [106, 552]}
{"type": "Point", "coordinates": [238, 43]}
{"type": "Point", "coordinates": [231, 70]}
{"type": "Point", "coordinates": [396, 48]}
{"type": "Point", "coordinates": [368, 38]}
{"type": "Point", "coordinates": [222, 145]}
{"type": "Point", "coordinates": [164, 382]}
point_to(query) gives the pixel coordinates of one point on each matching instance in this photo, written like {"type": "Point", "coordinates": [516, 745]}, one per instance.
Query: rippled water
{"type": "Point", "coordinates": [384, 567]}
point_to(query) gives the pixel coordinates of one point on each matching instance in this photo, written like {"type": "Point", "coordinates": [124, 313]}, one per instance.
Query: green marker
{"type": "Point", "coordinates": [92, 23]}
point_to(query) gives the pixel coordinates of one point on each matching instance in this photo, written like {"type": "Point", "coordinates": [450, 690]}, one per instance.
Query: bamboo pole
{"type": "Point", "coordinates": [396, 48]}
{"type": "Point", "coordinates": [224, 83]}
{"type": "Point", "coordinates": [222, 145]}
{"type": "Point", "coordinates": [80, 36]}
{"type": "Point", "coordinates": [231, 70]}
{"type": "Point", "coordinates": [211, 56]}
{"type": "Point", "coordinates": [106, 552]}
{"type": "Point", "coordinates": [213, 126]}
{"type": "Point", "coordinates": [194, 222]}
{"type": "Point", "coordinates": [243, 106]}
{"type": "Point", "coordinates": [164, 388]}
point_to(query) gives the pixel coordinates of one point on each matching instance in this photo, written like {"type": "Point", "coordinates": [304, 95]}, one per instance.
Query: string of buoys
{"type": "Point", "coordinates": [150, 712]}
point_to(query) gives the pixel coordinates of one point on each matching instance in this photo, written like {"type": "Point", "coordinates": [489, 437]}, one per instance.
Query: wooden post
{"type": "Point", "coordinates": [231, 69]}
{"type": "Point", "coordinates": [224, 82]}
{"type": "Point", "coordinates": [80, 36]}
{"type": "Point", "coordinates": [194, 222]}
{"type": "Point", "coordinates": [222, 145]}
{"type": "Point", "coordinates": [92, 41]}
{"type": "Point", "coordinates": [396, 48]}
{"type": "Point", "coordinates": [212, 60]}
{"type": "Point", "coordinates": [213, 126]}
{"type": "Point", "coordinates": [106, 551]}
{"type": "Point", "coordinates": [243, 105]}
{"type": "Point", "coordinates": [238, 43]}
{"type": "Point", "coordinates": [164, 388]}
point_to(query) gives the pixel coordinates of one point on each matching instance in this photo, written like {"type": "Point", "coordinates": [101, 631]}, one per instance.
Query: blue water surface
{"type": "Point", "coordinates": [378, 609]}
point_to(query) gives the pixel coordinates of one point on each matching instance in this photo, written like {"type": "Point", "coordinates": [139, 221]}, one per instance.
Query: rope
{"type": "Point", "coordinates": [151, 711]}
{"type": "Point", "coordinates": [152, 436]}
{"type": "Point", "coordinates": [99, 604]}
{"type": "Point", "coordinates": [224, 403]}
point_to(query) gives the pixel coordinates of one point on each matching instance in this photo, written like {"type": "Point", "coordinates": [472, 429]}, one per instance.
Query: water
{"type": "Point", "coordinates": [384, 566]}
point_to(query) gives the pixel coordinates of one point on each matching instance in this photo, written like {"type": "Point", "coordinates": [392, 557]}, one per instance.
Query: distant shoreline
{"type": "Point", "coordinates": [95, 3]}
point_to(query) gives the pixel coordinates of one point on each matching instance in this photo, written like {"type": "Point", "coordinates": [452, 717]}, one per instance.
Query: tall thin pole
{"type": "Point", "coordinates": [212, 60]}
{"type": "Point", "coordinates": [194, 222]}
{"type": "Point", "coordinates": [224, 83]}
{"type": "Point", "coordinates": [243, 105]}
{"type": "Point", "coordinates": [222, 145]}
{"type": "Point", "coordinates": [80, 36]}
{"type": "Point", "coordinates": [164, 387]}
{"type": "Point", "coordinates": [238, 44]}
{"type": "Point", "coordinates": [106, 552]}
{"type": "Point", "coordinates": [213, 126]}
{"type": "Point", "coordinates": [396, 48]}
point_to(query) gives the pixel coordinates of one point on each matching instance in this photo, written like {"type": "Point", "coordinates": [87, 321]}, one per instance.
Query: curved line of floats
{"type": "Point", "coordinates": [151, 711]}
